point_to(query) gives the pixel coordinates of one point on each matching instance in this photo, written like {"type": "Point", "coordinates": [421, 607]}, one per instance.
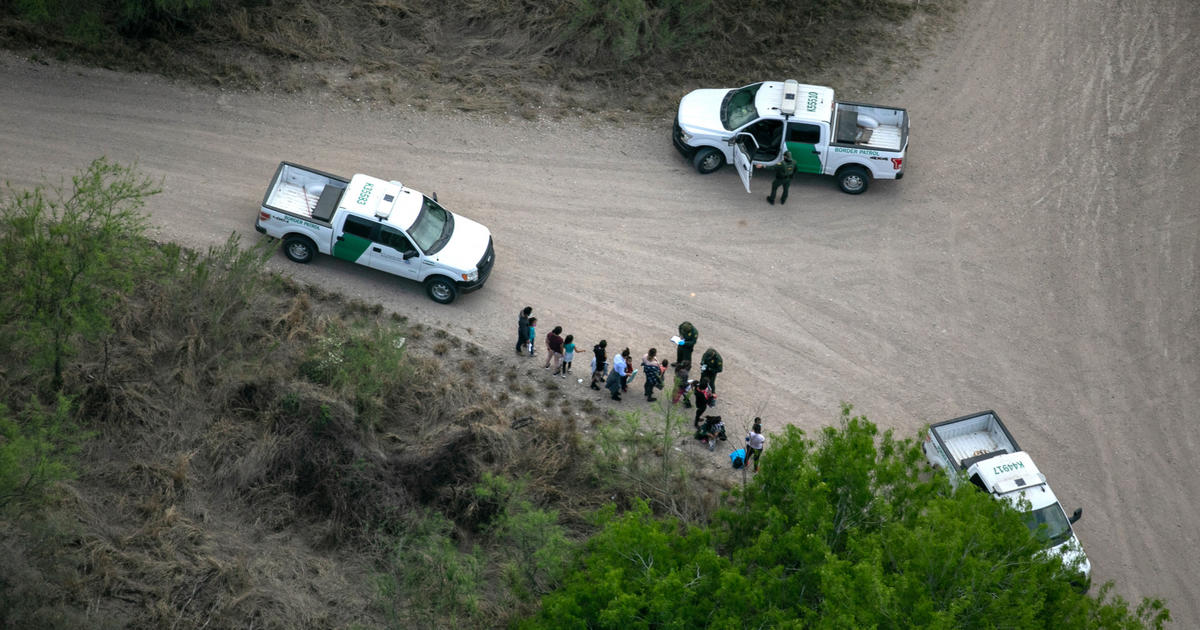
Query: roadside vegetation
{"type": "Point", "coordinates": [624, 58]}
{"type": "Point", "coordinates": [187, 441]}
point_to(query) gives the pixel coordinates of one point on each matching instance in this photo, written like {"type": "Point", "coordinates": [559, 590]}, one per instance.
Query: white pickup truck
{"type": "Point", "coordinates": [377, 223]}
{"type": "Point", "coordinates": [980, 449]}
{"type": "Point", "coordinates": [753, 125]}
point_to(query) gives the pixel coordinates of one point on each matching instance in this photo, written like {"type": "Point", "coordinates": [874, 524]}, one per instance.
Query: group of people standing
{"type": "Point", "coordinates": [560, 353]}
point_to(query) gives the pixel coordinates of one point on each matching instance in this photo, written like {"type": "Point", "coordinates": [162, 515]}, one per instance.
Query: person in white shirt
{"type": "Point", "coordinates": [755, 443]}
{"type": "Point", "coordinates": [616, 377]}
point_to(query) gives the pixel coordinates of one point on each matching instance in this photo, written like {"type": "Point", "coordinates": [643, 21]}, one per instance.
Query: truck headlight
{"type": "Point", "coordinates": [685, 136]}
{"type": "Point", "coordinates": [471, 277]}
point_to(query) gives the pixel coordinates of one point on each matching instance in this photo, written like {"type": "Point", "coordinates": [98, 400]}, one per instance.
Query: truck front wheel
{"type": "Point", "coordinates": [853, 180]}
{"type": "Point", "coordinates": [440, 290]}
{"type": "Point", "coordinates": [299, 249]}
{"type": "Point", "coordinates": [708, 160]}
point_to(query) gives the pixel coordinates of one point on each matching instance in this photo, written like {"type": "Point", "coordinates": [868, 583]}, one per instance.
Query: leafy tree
{"type": "Point", "coordinates": [838, 532]}
{"type": "Point", "coordinates": [65, 258]}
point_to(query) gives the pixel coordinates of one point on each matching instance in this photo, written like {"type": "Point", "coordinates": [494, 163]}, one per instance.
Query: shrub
{"type": "Point", "coordinates": [35, 451]}
{"type": "Point", "coordinates": [66, 258]}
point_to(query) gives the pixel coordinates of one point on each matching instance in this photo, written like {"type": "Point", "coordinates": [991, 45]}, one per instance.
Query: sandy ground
{"type": "Point", "coordinates": [1040, 258]}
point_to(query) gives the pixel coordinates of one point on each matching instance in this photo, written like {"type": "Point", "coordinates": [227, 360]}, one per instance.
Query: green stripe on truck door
{"type": "Point", "coordinates": [351, 247]}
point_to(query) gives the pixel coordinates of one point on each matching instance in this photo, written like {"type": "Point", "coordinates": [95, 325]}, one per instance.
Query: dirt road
{"type": "Point", "coordinates": [1040, 258]}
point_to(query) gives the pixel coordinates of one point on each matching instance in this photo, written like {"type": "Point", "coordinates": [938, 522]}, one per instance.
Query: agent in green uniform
{"type": "Point", "coordinates": [783, 177]}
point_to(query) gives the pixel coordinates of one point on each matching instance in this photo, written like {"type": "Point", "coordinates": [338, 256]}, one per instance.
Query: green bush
{"type": "Point", "coordinates": [363, 362]}
{"type": "Point", "coordinates": [426, 579]}
{"type": "Point", "coordinates": [839, 532]}
{"type": "Point", "coordinates": [67, 256]}
{"type": "Point", "coordinates": [36, 447]}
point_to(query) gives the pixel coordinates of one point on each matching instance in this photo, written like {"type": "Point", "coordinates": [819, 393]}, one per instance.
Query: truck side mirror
{"type": "Point", "coordinates": [435, 196]}
{"type": "Point", "coordinates": [412, 253]}
{"type": "Point", "coordinates": [1077, 515]}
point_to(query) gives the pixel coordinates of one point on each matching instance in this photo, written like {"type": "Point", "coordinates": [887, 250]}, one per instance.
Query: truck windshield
{"type": "Point", "coordinates": [432, 228]}
{"type": "Point", "coordinates": [738, 107]}
{"type": "Point", "coordinates": [1057, 530]}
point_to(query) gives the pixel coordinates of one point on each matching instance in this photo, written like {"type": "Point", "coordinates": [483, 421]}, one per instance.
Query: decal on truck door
{"type": "Point", "coordinates": [354, 240]}
{"type": "Point", "coordinates": [802, 141]}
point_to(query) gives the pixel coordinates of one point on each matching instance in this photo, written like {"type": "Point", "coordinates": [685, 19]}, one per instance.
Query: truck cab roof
{"type": "Point", "coordinates": [386, 201]}
{"type": "Point", "coordinates": [1006, 473]}
{"type": "Point", "coordinates": [800, 101]}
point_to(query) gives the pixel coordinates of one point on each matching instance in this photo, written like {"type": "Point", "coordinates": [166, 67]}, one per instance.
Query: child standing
{"type": "Point", "coordinates": [532, 333]}
{"type": "Point", "coordinates": [568, 355]}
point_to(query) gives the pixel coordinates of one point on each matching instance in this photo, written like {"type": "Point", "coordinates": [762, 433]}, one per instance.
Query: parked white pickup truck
{"type": "Point", "coordinates": [980, 449]}
{"type": "Point", "coordinates": [377, 223]}
{"type": "Point", "coordinates": [753, 125]}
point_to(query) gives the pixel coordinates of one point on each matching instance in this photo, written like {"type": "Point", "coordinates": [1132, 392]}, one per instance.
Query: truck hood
{"type": "Point", "coordinates": [700, 112]}
{"type": "Point", "coordinates": [466, 246]}
{"type": "Point", "coordinates": [1071, 553]}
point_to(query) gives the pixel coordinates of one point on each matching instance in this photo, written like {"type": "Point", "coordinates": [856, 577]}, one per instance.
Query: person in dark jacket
{"type": "Point", "coordinates": [599, 363]}
{"type": "Point", "coordinates": [554, 348]}
{"type": "Point", "coordinates": [783, 177]}
{"type": "Point", "coordinates": [523, 328]}
{"type": "Point", "coordinates": [710, 366]}
{"type": "Point", "coordinates": [689, 334]}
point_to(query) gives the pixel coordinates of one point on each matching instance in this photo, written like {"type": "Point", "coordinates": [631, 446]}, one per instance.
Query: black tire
{"type": "Point", "coordinates": [853, 180]}
{"type": "Point", "coordinates": [299, 249]}
{"type": "Point", "coordinates": [441, 289]}
{"type": "Point", "coordinates": [708, 160]}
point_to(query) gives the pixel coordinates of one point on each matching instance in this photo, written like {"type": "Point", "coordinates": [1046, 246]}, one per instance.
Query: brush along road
{"type": "Point", "coordinates": [376, 223]}
{"type": "Point", "coordinates": [754, 125]}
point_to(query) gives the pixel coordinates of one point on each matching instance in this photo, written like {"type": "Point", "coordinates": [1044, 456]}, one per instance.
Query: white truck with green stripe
{"type": "Point", "coordinates": [752, 126]}
{"type": "Point", "coordinates": [377, 223]}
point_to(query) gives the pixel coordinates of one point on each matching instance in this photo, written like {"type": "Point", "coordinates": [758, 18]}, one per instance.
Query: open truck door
{"type": "Point", "coordinates": [741, 161]}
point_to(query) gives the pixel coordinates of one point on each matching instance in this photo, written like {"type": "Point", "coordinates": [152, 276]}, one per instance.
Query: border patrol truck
{"type": "Point", "coordinates": [980, 449]}
{"type": "Point", "coordinates": [381, 224]}
{"type": "Point", "coordinates": [753, 126]}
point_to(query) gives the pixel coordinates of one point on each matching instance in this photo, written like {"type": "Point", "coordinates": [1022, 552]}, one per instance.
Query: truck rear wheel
{"type": "Point", "coordinates": [853, 180]}
{"type": "Point", "coordinates": [708, 160]}
{"type": "Point", "coordinates": [441, 290]}
{"type": "Point", "coordinates": [299, 249]}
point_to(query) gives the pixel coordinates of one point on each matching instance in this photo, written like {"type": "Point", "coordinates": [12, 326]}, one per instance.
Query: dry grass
{"type": "Point", "coordinates": [523, 57]}
{"type": "Point", "coordinates": [228, 486]}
